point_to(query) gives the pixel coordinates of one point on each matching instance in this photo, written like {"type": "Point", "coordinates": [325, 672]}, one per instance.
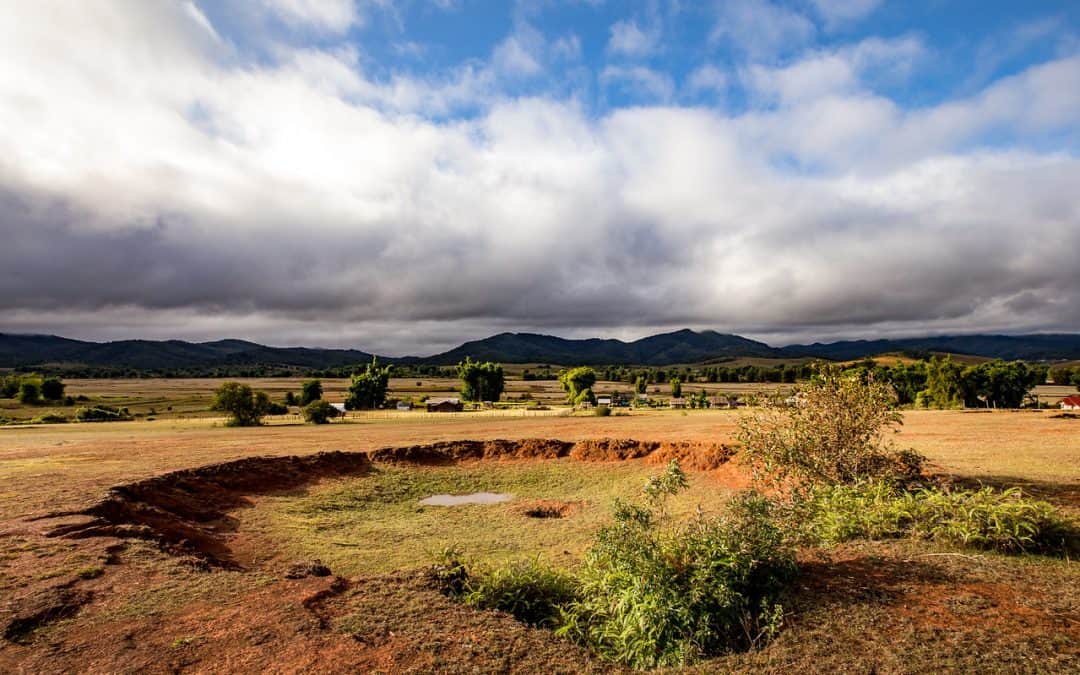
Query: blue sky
{"type": "Point", "coordinates": [400, 177]}
{"type": "Point", "coordinates": [964, 44]}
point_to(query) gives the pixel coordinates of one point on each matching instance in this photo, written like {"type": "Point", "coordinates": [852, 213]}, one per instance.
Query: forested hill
{"type": "Point", "coordinates": [684, 346]}
{"type": "Point", "coordinates": [1034, 347]}
{"type": "Point", "coordinates": [679, 347]}
{"type": "Point", "coordinates": [30, 350]}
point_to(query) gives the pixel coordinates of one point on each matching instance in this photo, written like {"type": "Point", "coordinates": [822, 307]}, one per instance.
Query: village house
{"type": "Point", "coordinates": [603, 400]}
{"type": "Point", "coordinates": [1070, 403]}
{"type": "Point", "coordinates": [677, 403]}
{"type": "Point", "coordinates": [444, 405]}
{"type": "Point", "coordinates": [404, 406]}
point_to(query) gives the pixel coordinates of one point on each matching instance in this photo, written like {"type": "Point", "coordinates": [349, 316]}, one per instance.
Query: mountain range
{"type": "Point", "coordinates": [679, 347]}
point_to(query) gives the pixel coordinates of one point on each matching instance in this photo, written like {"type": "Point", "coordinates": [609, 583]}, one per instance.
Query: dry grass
{"type": "Point", "coordinates": [890, 607]}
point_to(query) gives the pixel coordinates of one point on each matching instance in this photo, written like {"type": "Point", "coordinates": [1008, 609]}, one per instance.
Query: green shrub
{"type": "Point", "coordinates": [603, 411]}
{"type": "Point", "coordinates": [319, 412]}
{"type": "Point", "coordinates": [650, 592]}
{"type": "Point", "coordinates": [102, 413]}
{"type": "Point", "coordinates": [1003, 521]}
{"type": "Point", "coordinates": [530, 590]}
{"type": "Point", "coordinates": [663, 596]}
{"type": "Point", "coordinates": [50, 418]}
{"type": "Point", "coordinates": [245, 406]}
{"type": "Point", "coordinates": [52, 389]}
{"type": "Point", "coordinates": [29, 392]}
{"type": "Point", "coordinates": [275, 408]}
{"type": "Point", "coordinates": [833, 431]}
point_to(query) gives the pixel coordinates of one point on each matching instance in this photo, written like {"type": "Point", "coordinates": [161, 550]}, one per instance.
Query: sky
{"type": "Point", "coordinates": [401, 176]}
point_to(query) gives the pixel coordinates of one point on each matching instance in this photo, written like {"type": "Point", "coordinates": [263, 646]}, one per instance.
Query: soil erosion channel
{"type": "Point", "coordinates": [190, 513]}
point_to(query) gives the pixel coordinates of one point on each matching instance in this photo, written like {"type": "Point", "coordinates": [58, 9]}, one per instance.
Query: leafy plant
{"type": "Point", "coordinates": [530, 590]}
{"type": "Point", "coordinates": [986, 518]}
{"type": "Point", "coordinates": [661, 596]}
{"type": "Point", "coordinates": [245, 406]}
{"type": "Point", "coordinates": [102, 413]}
{"type": "Point", "coordinates": [319, 412]}
{"type": "Point", "coordinates": [831, 431]}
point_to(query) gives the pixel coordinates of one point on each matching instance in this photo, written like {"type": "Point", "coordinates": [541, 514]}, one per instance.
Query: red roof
{"type": "Point", "coordinates": [1071, 400]}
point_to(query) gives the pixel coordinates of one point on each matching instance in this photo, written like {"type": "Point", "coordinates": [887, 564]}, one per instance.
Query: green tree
{"type": "Point", "coordinates": [246, 406]}
{"type": "Point", "coordinates": [368, 388]}
{"type": "Point", "coordinates": [9, 387]}
{"type": "Point", "coordinates": [320, 412]}
{"type": "Point", "coordinates": [310, 391]}
{"type": "Point", "coordinates": [29, 392]}
{"type": "Point", "coordinates": [52, 389]}
{"type": "Point", "coordinates": [641, 384]}
{"type": "Point", "coordinates": [676, 387]}
{"type": "Point", "coordinates": [999, 384]}
{"type": "Point", "coordinates": [481, 381]}
{"type": "Point", "coordinates": [942, 384]}
{"type": "Point", "coordinates": [290, 399]}
{"type": "Point", "coordinates": [578, 383]}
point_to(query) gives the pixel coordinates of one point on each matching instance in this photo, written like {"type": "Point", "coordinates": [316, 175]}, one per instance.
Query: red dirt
{"type": "Point", "coordinates": [187, 512]}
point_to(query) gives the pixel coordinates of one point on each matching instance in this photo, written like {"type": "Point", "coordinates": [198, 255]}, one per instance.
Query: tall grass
{"type": "Point", "coordinates": [986, 518]}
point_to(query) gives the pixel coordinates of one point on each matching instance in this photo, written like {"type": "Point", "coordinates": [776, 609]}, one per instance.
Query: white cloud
{"type": "Point", "coordinates": [629, 39]}
{"type": "Point", "coordinates": [707, 78]}
{"type": "Point", "coordinates": [334, 16]}
{"type": "Point", "coordinates": [150, 183]}
{"type": "Point", "coordinates": [760, 28]}
{"type": "Point", "coordinates": [639, 81]}
{"type": "Point", "coordinates": [836, 12]}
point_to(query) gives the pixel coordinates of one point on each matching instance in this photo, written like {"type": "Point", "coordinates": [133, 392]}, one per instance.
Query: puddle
{"type": "Point", "coordinates": [474, 498]}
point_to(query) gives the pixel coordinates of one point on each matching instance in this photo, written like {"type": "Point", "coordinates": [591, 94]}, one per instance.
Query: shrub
{"type": "Point", "coordinates": [603, 411]}
{"type": "Point", "coordinates": [319, 412]}
{"type": "Point", "coordinates": [832, 433]}
{"type": "Point", "coordinates": [29, 392]}
{"type": "Point", "coordinates": [530, 590]}
{"type": "Point", "coordinates": [650, 593]}
{"type": "Point", "coordinates": [52, 389]}
{"type": "Point", "coordinates": [246, 407]}
{"type": "Point", "coordinates": [310, 391]}
{"type": "Point", "coordinates": [662, 597]}
{"type": "Point", "coordinates": [50, 419]}
{"type": "Point", "coordinates": [1004, 521]}
{"type": "Point", "coordinates": [273, 408]}
{"type": "Point", "coordinates": [102, 413]}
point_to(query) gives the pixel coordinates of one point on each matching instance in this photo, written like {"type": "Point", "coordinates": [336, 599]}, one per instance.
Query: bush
{"type": "Point", "coordinates": [603, 411]}
{"type": "Point", "coordinates": [245, 406]}
{"type": "Point", "coordinates": [102, 413]}
{"type": "Point", "coordinates": [52, 389]}
{"type": "Point", "coordinates": [664, 597]}
{"type": "Point", "coordinates": [531, 591]}
{"type": "Point", "coordinates": [310, 391]}
{"type": "Point", "coordinates": [273, 408]}
{"type": "Point", "coordinates": [50, 419]}
{"type": "Point", "coordinates": [650, 593]}
{"type": "Point", "coordinates": [319, 412]}
{"type": "Point", "coordinates": [29, 392]}
{"type": "Point", "coordinates": [833, 432]}
{"type": "Point", "coordinates": [988, 519]}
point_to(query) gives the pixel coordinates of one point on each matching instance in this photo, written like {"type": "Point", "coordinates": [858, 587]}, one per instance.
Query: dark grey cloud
{"type": "Point", "coordinates": [199, 196]}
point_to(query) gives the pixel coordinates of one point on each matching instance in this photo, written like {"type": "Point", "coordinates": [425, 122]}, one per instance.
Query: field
{"type": "Point", "coordinates": [113, 600]}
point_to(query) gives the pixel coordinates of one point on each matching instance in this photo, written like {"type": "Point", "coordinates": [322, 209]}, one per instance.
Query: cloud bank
{"type": "Point", "coordinates": [158, 180]}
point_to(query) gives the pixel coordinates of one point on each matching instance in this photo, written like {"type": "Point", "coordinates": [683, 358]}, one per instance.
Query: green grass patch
{"type": "Point", "coordinates": [375, 524]}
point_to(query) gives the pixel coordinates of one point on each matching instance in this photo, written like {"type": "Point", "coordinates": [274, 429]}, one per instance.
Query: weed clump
{"type": "Point", "coordinates": [989, 519]}
{"type": "Point", "coordinates": [102, 413]}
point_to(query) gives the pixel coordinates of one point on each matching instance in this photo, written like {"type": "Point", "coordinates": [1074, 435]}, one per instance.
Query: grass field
{"type": "Point", "coordinates": [890, 607]}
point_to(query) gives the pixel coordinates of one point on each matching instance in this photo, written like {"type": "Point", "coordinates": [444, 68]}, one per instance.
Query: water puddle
{"type": "Point", "coordinates": [474, 498]}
